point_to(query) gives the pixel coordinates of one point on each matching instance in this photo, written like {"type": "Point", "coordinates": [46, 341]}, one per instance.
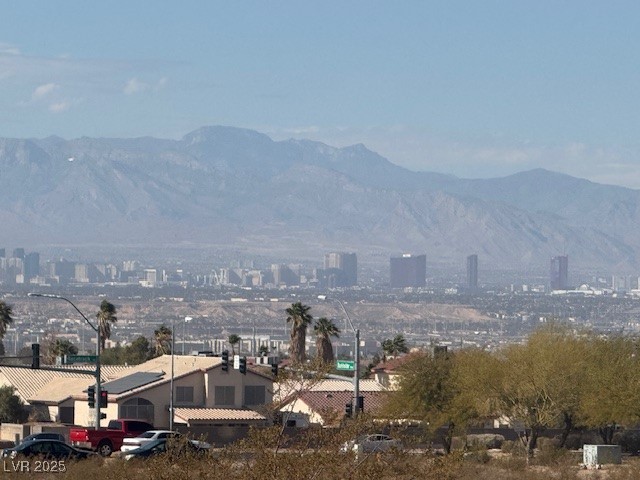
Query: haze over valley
{"type": "Point", "coordinates": [231, 188]}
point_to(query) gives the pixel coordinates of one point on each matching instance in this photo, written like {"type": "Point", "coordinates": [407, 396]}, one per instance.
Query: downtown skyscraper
{"type": "Point", "coordinates": [559, 273]}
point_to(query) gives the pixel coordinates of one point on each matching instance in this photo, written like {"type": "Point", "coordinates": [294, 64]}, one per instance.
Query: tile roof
{"type": "Point", "coordinates": [191, 414]}
{"type": "Point", "coordinates": [287, 389]}
{"type": "Point", "coordinates": [47, 386]}
{"type": "Point", "coordinates": [60, 389]}
{"type": "Point", "coordinates": [393, 365]}
{"type": "Point", "coordinates": [326, 404]}
{"type": "Point", "coordinates": [183, 365]}
{"type": "Point", "coordinates": [32, 383]}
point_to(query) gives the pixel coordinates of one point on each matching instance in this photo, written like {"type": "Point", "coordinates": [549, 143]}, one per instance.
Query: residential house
{"type": "Point", "coordinates": [323, 402]}
{"type": "Point", "coordinates": [144, 391]}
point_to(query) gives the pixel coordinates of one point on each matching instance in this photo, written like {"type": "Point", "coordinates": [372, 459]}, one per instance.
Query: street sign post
{"type": "Point", "coordinates": [348, 365]}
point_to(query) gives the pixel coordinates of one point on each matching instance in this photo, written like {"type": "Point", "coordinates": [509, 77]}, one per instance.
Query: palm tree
{"type": "Point", "coordinates": [162, 337]}
{"type": "Point", "coordinates": [56, 347]}
{"type": "Point", "coordinates": [106, 316]}
{"type": "Point", "coordinates": [300, 318]}
{"type": "Point", "coordinates": [5, 320]}
{"type": "Point", "coordinates": [263, 350]}
{"type": "Point", "coordinates": [233, 341]}
{"type": "Point", "coordinates": [324, 330]}
{"type": "Point", "coordinates": [395, 346]}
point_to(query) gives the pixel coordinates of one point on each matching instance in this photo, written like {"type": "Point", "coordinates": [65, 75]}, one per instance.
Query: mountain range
{"type": "Point", "coordinates": [225, 186]}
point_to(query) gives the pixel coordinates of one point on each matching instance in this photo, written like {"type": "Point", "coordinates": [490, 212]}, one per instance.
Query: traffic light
{"type": "Point", "coordinates": [91, 394]}
{"type": "Point", "coordinates": [348, 410]}
{"type": "Point", "coordinates": [225, 361]}
{"type": "Point", "coordinates": [274, 369]}
{"type": "Point", "coordinates": [360, 404]}
{"type": "Point", "coordinates": [104, 400]}
{"type": "Point", "coordinates": [35, 355]}
{"type": "Point", "coordinates": [243, 365]}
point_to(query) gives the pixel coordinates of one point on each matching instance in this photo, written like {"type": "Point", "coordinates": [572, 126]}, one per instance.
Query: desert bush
{"type": "Point", "coordinates": [458, 443]}
{"type": "Point", "coordinates": [547, 443]}
{"type": "Point", "coordinates": [514, 447]}
{"type": "Point", "coordinates": [576, 440]}
{"type": "Point", "coordinates": [629, 441]}
{"type": "Point", "coordinates": [550, 454]}
{"type": "Point", "coordinates": [486, 440]}
{"type": "Point", "coordinates": [511, 463]}
{"type": "Point", "coordinates": [479, 455]}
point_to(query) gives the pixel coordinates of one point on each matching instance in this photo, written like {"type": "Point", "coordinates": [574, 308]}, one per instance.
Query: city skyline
{"type": "Point", "coordinates": [23, 267]}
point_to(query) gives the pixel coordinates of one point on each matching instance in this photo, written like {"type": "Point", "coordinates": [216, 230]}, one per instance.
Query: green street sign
{"type": "Point", "coordinates": [68, 359]}
{"type": "Point", "coordinates": [348, 365]}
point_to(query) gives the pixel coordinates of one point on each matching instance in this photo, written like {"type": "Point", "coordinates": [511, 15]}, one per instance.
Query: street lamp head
{"type": "Point", "coordinates": [46, 295]}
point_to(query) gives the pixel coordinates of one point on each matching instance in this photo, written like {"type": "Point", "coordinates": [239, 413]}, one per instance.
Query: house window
{"type": "Point", "coordinates": [184, 394]}
{"type": "Point", "coordinates": [254, 395]}
{"type": "Point", "coordinates": [66, 415]}
{"type": "Point", "coordinates": [137, 408]}
{"type": "Point", "coordinates": [225, 395]}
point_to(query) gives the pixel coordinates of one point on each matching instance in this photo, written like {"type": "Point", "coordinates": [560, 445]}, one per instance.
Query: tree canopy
{"type": "Point", "coordinates": [299, 317]}
{"type": "Point", "coordinates": [163, 340]}
{"type": "Point", "coordinates": [6, 319]}
{"type": "Point", "coordinates": [324, 330]}
{"type": "Point", "coordinates": [106, 317]}
{"type": "Point", "coordinates": [233, 341]}
{"type": "Point", "coordinates": [12, 409]}
{"type": "Point", "coordinates": [557, 378]}
{"type": "Point", "coordinates": [137, 352]}
{"type": "Point", "coordinates": [395, 346]}
{"type": "Point", "coordinates": [428, 391]}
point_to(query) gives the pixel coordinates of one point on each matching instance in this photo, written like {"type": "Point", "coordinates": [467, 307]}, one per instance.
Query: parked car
{"type": "Point", "coordinates": [44, 436]}
{"type": "Point", "coordinates": [106, 441]}
{"type": "Point", "coordinates": [129, 444]}
{"type": "Point", "coordinates": [376, 442]}
{"type": "Point", "coordinates": [52, 449]}
{"type": "Point", "coordinates": [171, 446]}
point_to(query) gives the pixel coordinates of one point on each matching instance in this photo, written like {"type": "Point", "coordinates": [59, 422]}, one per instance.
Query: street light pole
{"type": "Point", "coordinates": [356, 354]}
{"type": "Point", "coordinates": [98, 347]}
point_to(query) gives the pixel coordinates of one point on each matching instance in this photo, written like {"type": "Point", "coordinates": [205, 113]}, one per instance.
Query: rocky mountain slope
{"type": "Point", "coordinates": [229, 186]}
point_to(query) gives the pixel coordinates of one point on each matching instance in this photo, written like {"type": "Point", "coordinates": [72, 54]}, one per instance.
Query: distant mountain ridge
{"type": "Point", "coordinates": [232, 186]}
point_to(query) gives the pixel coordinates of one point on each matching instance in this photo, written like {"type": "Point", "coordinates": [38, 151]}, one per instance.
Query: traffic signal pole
{"type": "Point", "coordinates": [98, 347]}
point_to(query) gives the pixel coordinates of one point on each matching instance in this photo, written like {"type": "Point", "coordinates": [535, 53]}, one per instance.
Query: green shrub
{"type": "Point", "coordinates": [478, 456]}
{"type": "Point", "coordinates": [629, 441]}
{"type": "Point", "coordinates": [550, 454]}
{"type": "Point", "coordinates": [514, 447]}
{"type": "Point", "coordinates": [576, 440]}
{"type": "Point", "coordinates": [485, 440]}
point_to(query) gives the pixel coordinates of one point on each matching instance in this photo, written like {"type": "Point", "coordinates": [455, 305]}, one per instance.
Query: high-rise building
{"type": "Point", "coordinates": [18, 253]}
{"type": "Point", "coordinates": [63, 270]}
{"type": "Point", "coordinates": [559, 272]}
{"type": "Point", "coordinates": [3, 252]}
{"type": "Point", "coordinates": [408, 271]}
{"type": "Point", "coordinates": [31, 266]}
{"type": "Point", "coordinates": [341, 269]}
{"type": "Point", "coordinates": [284, 275]}
{"type": "Point", "coordinates": [150, 276]}
{"type": "Point", "coordinates": [472, 273]}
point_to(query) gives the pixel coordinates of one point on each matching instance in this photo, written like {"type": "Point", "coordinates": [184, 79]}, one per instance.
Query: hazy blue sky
{"type": "Point", "coordinates": [473, 88]}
